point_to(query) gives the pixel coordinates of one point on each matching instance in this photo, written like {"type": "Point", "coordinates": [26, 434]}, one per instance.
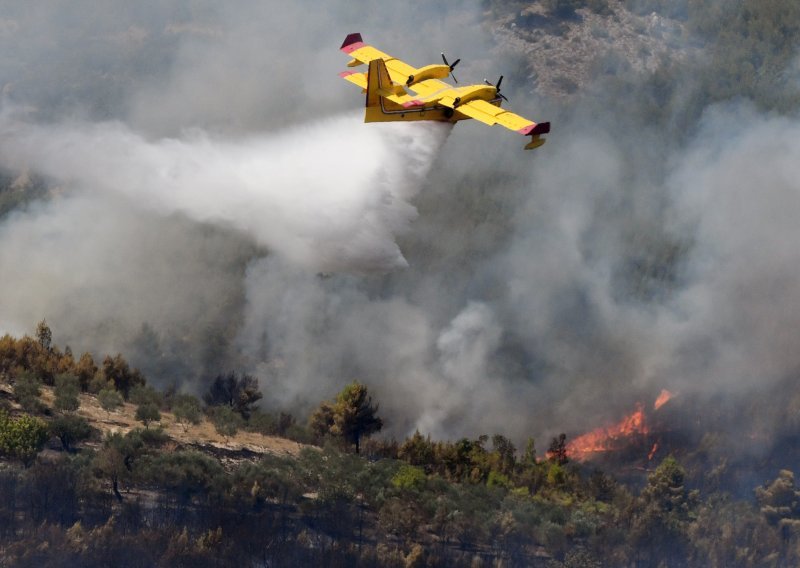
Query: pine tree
{"type": "Point", "coordinates": [44, 335]}
{"type": "Point", "coordinates": [354, 414]}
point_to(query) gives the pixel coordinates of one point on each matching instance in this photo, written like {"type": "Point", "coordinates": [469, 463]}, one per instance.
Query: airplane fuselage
{"type": "Point", "coordinates": [429, 107]}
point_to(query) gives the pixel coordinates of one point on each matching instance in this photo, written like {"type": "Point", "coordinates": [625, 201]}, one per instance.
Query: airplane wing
{"type": "Point", "coordinates": [423, 89]}
{"type": "Point", "coordinates": [490, 114]}
{"type": "Point", "coordinates": [355, 77]}
{"type": "Point", "coordinates": [429, 87]}
{"type": "Point", "coordinates": [362, 53]}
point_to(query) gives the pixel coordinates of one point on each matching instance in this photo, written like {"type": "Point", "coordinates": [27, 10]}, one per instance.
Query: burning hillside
{"type": "Point", "coordinates": [633, 428]}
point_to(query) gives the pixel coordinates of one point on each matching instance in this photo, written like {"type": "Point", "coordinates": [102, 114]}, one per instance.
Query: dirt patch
{"type": "Point", "coordinates": [200, 436]}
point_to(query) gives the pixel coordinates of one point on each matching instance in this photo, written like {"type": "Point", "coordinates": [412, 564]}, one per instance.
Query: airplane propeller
{"type": "Point", "coordinates": [497, 86]}
{"type": "Point", "coordinates": [453, 66]}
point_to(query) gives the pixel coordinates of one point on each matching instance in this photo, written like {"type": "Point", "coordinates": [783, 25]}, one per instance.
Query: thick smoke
{"type": "Point", "coordinates": [291, 192]}
{"type": "Point", "coordinates": [721, 321]}
{"type": "Point", "coordinates": [212, 172]}
{"type": "Point", "coordinates": [739, 185]}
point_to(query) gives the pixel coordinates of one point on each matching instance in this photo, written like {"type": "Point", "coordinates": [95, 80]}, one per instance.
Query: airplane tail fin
{"type": "Point", "coordinates": [378, 82]}
{"type": "Point", "coordinates": [382, 104]}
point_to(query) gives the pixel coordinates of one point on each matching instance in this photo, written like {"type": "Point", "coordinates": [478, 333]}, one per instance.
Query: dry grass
{"type": "Point", "coordinates": [123, 420]}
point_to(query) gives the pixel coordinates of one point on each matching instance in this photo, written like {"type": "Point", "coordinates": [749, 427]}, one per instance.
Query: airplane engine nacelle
{"type": "Point", "coordinates": [429, 72]}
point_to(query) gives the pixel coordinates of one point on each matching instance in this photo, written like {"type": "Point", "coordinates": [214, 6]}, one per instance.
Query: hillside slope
{"type": "Point", "coordinates": [564, 50]}
{"type": "Point", "coordinates": [202, 436]}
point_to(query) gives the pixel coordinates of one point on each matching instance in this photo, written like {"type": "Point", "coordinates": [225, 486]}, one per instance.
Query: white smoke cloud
{"type": "Point", "coordinates": [98, 268]}
{"type": "Point", "coordinates": [738, 185]}
{"type": "Point", "coordinates": [330, 195]}
{"type": "Point", "coordinates": [312, 335]}
{"type": "Point", "coordinates": [466, 345]}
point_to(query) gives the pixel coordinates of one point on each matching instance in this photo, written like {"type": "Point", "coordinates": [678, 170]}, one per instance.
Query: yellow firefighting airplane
{"type": "Point", "coordinates": [388, 80]}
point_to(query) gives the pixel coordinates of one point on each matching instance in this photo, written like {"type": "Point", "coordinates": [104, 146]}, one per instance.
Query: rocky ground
{"type": "Point", "coordinates": [562, 54]}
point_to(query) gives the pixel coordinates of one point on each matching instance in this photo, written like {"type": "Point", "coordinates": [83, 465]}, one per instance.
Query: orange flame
{"type": "Point", "coordinates": [605, 439]}
{"type": "Point", "coordinates": [652, 451]}
{"type": "Point", "coordinates": [662, 399]}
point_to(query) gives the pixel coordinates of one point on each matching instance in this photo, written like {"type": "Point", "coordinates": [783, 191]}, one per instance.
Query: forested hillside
{"type": "Point", "coordinates": [84, 485]}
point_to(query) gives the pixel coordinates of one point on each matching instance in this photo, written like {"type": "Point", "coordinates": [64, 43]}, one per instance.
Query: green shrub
{"type": "Point", "coordinates": [27, 389]}
{"type": "Point", "coordinates": [67, 388]}
{"type": "Point", "coordinates": [226, 421]}
{"type": "Point", "coordinates": [70, 429]}
{"type": "Point", "coordinates": [409, 477]}
{"type": "Point", "coordinates": [109, 399]}
{"type": "Point", "coordinates": [22, 438]}
{"type": "Point", "coordinates": [186, 409]}
{"type": "Point", "coordinates": [147, 413]}
{"type": "Point", "coordinates": [497, 479]}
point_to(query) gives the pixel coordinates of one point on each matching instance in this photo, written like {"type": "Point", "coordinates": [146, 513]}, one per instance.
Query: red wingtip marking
{"type": "Point", "coordinates": [348, 49]}
{"type": "Point", "coordinates": [345, 74]}
{"type": "Point", "coordinates": [540, 128]}
{"type": "Point", "coordinates": [414, 103]}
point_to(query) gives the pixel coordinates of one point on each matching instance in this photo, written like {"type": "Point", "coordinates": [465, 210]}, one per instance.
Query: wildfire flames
{"type": "Point", "coordinates": [662, 399]}
{"type": "Point", "coordinates": [610, 438]}
{"type": "Point", "coordinates": [605, 439]}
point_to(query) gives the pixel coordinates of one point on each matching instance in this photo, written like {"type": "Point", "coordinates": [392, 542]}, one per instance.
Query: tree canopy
{"type": "Point", "coordinates": [238, 392]}
{"type": "Point", "coordinates": [351, 417]}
